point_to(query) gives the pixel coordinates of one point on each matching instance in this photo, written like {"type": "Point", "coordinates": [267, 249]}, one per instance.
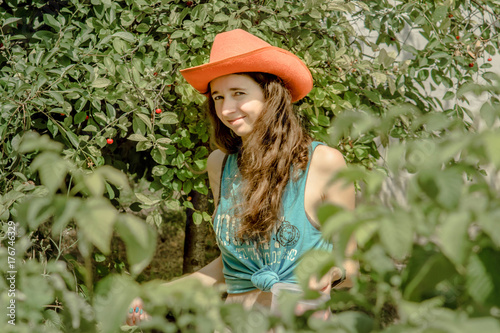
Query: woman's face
{"type": "Point", "coordinates": [239, 101]}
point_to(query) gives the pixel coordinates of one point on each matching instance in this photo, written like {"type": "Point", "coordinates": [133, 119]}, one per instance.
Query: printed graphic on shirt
{"type": "Point", "coordinates": [268, 253]}
{"type": "Point", "coordinates": [288, 234]}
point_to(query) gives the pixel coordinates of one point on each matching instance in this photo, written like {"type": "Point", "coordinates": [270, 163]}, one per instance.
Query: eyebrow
{"type": "Point", "coordinates": [230, 89]}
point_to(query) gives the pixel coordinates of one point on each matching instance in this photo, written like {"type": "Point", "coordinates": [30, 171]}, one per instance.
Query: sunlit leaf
{"type": "Point", "coordinates": [139, 239]}
{"type": "Point", "coordinates": [453, 237]}
{"type": "Point", "coordinates": [96, 218]}
{"type": "Point", "coordinates": [396, 235]}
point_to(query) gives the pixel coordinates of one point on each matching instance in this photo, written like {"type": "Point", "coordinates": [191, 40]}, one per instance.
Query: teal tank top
{"type": "Point", "coordinates": [248, 266]}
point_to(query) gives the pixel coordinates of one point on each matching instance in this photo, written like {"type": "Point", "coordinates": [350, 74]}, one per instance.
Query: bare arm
{"type": "Point", "coordinates": [214, 165]}
{"type": "Point", "coordinates": [210, 274]}
{"type": "Point", "coordinates": [326, 163]}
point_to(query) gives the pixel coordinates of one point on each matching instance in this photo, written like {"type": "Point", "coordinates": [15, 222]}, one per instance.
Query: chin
{"type": "Point", "coordinates": [241, 133]}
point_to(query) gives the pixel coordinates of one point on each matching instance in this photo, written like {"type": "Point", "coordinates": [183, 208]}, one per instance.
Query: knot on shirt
{"type": "Point", "coordinates": [264, 278]}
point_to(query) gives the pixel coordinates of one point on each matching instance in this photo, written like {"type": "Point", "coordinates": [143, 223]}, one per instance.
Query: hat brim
{"type": "Point", "coordinates": [273, 60]}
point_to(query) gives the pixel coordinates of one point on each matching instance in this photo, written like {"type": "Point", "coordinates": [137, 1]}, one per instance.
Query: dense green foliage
{"type": "Point", "coordinates": [80, 83]}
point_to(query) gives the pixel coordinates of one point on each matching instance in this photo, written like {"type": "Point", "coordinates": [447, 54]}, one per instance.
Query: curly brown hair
{"type": "Point", "coordinates": [275, 152]}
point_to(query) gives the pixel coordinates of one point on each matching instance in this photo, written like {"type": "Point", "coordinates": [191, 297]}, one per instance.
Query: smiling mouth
{"type": "Point", "coordinates": [234, 120]}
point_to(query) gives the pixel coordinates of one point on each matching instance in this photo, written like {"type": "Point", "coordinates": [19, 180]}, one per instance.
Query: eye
{"type": "Point", "coordinates": [239, 93]}
{"type": "Point", "coordinates": [215, 98]}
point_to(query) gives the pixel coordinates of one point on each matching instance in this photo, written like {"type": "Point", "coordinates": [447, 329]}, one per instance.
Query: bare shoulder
{"type": "Point", "coordinates": [327, 160]}
{"type": "Point", "coordinates": [214, 166]}
{"type": "Point", "coordinates": [214, 161]}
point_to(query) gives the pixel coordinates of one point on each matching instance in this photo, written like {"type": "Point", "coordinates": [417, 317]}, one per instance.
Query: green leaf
{"type": "Point", "coordinates": [220, 17]}
{"type": "Point", "coordinates": [90, 128]}
{"type": "Point", "coordinates": [439, 55]}
{"type": "Point", "coordinates": [450, 182]}
{"type": "Point", "coordinates": [11, 20]}
{"type": "Point", "coordinates": [57, 96]}
{"type": "Point", "coordinates": [444, 187]}
{"type": "Point", "coordinates": [51, 168]}
{"type": "Point", "coordinates": [396, 235]}
{"type": "Point", "coordinates": [159, 156]}
{"type": "Point", "coordinates": [95, 184]}
{"type": "Point", "coordinates": [145, 119]}
{"type": "Point", "coordinates": [110, 111]}
{"type": "Point", "coordinates": [143, 27]}
{"type": "Point", "coordinates": [169, 118]}
{"type": "Point", "coordinates": [113, 296]}
{"type": "Point", "coordinates": [113, 176]}
{"type": "Point", "coordinates": [79, 118]}
{"type": "Point", "coordinates": [352, 321]}
{"type": "Point", "coordinates": [35, 211]}
{"type": "Point", "coordinates": [159, 170]}
{"type": "Point", "coordinates": [384, 59]}
{"type": "Point", "coordinates": [410, 49]}
{"type": "Point", "coordinates": [137, 137]}
{"type": "Point", "coordinates": [491, 143]}
{"type": "Point", "coordinates": [482, 324]}
{"type": "Point", "coordinates": [372, 95]}
{"type": "Point", "coordinates": [449, 95]}
{"type": "Point", "coordinates": [65, 209]}
{"type": "Point", "coordinates": [146, 200]}
{"type": "Point", "coordinates": [328, 211]}
{"type": "Point", "coordinates": [378, 260]}
{"type": "Point", "coordinates": [483, 277]}
{"type": "Point", "coordinates": [96, 218]}
{"type": "Point", "coordinates": [440, 13]}
{"type": "Point", "coordinates": [140, 241]}
{"type": "Point", "coordinates": [177, 34]}
{"type": "Point", "coordinates": [197, 218]}
{"type": "Point", "coordinates": [73, 139]}
{"type": "Point", "coordinates": [466, 88]}
{"type": "Point", "coordinates": [392, 85]}
{"type": "Point", "coordinates": [32, 141]}
{"type": "Point", "coordinates": [454, 238]}
{"type": "Point", "coordinates": [51, 22]}
{"type": "Point", "coordinates": [127, 18]}
{"type": "Point", "coordinates": [101, 83]}
{"type": "Point", "coordinates": [489, 223]}
{"type": "Point", "coordinates": [490, 49]}
{"type": "Point", "coordinates": [110, 65]}
{"type": "Point", "coordinates": [127, 36]}
{"type": "Point", "coordinates": [163, 141]}
{"type": "Point", "coordinates": [434, 269]}
{"type": "Point", "coordinates": [73, 305]}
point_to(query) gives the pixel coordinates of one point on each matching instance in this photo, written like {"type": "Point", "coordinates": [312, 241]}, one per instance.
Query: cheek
{"type": "Point", "coordinates": [256, 109]}
{"type": "Point", "coordinates": [218, 113]}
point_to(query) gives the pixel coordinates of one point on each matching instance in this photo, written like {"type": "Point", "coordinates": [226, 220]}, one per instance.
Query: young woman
{"type": "Point", "coordinates": [268, 176]}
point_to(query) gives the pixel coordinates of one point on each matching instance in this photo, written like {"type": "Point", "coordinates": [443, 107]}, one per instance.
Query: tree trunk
{"type": "Point", "coordinates": [195, 236]}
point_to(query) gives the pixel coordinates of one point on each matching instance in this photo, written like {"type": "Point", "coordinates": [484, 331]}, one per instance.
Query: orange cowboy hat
{"type": "Point", "coordinates": [238, 51]}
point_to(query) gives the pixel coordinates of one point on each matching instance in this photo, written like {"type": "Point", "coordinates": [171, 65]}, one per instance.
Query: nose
{"type": "Point", "coordinates": [228, 106]}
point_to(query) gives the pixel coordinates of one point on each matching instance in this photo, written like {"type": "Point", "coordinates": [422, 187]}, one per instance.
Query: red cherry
{"type": "Point", "coordinates": [471, 64]}
{"type": "Point", "coordinates": [189, 198]}
{"type": "Point", "coordinates": [450, 16]}
{"type": "Point", "coordinates": [86, 117]}
{"type": "Point", "coordinates": [458, 37]}
{"type": "Point", "coordinates": [109, 141]}
{"type": "Point", "coordinates": [489, 59]}
{"type": "Point", "coordinates": [1, 45]}
{"type": "Point", "coordinates": [158, 111]}
{"type": "Point", "coordinates": [189, 3]}
{"type": "Point", "coordinates": [155, 74]}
